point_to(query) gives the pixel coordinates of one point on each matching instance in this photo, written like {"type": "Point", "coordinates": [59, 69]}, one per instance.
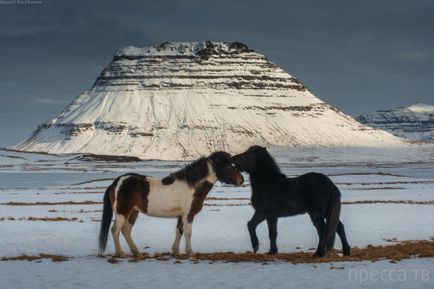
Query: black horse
{"type": "Point", "coordinates": [274, 196]}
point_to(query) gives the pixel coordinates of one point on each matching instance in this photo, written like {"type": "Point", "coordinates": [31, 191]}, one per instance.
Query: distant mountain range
{"type": "Point", "coordinates": [181, 100]}
{"type": "Point", "coordinates": [415, 122]}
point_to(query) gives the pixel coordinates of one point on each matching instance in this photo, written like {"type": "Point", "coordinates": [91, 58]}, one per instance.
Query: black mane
{"type": "Point", "coordinates": [266, 163]}
{"type": "Point", "coordinates": [191, 173]}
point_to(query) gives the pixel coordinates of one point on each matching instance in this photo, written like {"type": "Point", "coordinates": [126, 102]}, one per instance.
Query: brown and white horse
{"type": "Point", "coordinates": [180, 195]}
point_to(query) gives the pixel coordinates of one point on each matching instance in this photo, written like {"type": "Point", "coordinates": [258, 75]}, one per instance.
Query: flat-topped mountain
{"type": "Point", "coordinates": [180, 100]}
{"type": "Point", "coordinates": [415, 122]}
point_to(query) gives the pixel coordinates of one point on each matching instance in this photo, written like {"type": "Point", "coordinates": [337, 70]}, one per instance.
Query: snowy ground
{"type": "Point", "coordinates": [221, 226]}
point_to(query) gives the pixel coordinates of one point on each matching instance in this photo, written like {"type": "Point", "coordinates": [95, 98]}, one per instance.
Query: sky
{"type": "Point", "coordinates": [358, 55]}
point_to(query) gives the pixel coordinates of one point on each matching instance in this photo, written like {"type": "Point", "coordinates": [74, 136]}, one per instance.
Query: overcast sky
{"type": "Point", "coordinates": [358, 55]}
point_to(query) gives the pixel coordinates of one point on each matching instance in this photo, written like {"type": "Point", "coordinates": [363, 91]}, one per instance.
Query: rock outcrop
{"type": "Point", "coordinates": [415, 122]}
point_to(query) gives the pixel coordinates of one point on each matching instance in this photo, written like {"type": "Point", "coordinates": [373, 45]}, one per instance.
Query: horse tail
{"type": "Point", "coordinates": [107, 215]}
{"type": "Point", "coordinates": [332, 217]}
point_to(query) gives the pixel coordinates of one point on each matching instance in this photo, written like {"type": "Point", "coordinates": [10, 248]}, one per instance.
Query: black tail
{"type": "Point", "coordinates": [332, 218]}
{"type": "Point", "coordinates": [107, 215]}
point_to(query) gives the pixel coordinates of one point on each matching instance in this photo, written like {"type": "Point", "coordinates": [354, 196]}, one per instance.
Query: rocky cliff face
{"type": "Point", "coordinates": [182, 100]}
{"type": "Point", "coordinates": [415, 122]}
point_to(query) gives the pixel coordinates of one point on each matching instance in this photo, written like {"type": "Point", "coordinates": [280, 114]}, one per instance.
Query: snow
{"type": "Point", "coordinates": [169, 103]}
{"type": "Point", "coordinates": [415, 122]}
{"type": "Point", "coordinates": [171, 49]}
{"type": "Point", "coordinates": [211, 230]}
{"type": "Point", "coordinates": [92, 273]}
{"type": "Point", "coordinates": [421, 108]}
{"type": "Point", "coordinates": [43, 178]}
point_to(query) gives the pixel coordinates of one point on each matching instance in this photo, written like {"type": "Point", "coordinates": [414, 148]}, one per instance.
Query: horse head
{"type": "Point", "coordinates": [252, 159]}
{"type": "Point", "coordinates": [225, 170]}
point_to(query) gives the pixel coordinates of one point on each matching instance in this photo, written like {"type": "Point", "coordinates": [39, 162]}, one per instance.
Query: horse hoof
{"type": "Point", "coordinates": [272, 252]}
{"type": "Point", "coordinates": [347, 252]}
{"type": "Point", "coordinates": [135, 254]}
{"type": "Point", "coordinates": [318, 254]}
{"type": "Point", "coordinates": [255, 248]}
{"type": "Point", "coordinates": [121, 255]}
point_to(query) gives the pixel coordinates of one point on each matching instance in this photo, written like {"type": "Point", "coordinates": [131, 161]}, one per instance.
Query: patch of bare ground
{"type": "Point", "coordinates": [405, 202]}
{"type": "Point", "coordinates": [369, 174]}
{"type": "Point", "coordinates": [54, 258]}
{"type": "Point", "coordinates": [108, 158]}
{"type": "Point", "coordinates": [45, 219]}
{"type": "Point", "coordinates": [393, 253]}
{"type": "Point", "coordinates": [79, 193]}
{"type": "Point", "coordinates": [92, 203]}
{"type": "Point", "coordinates": [82, 211]}
{"type": "Point", "coordinates": [374, 188]}
{"type": "Point", "coordinates": [226, 205]}
{"type": "Point", "coordinates": [227, 199]}
{"type": "Point", "coordinates": [51, 203]}
{"type": "Point", "coordinates": [424, 182]}
{"type": "Point", "coordinates": [93, 181]}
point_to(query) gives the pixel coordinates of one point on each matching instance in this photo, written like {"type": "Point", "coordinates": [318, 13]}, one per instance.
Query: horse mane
{"type": "Point", "coordinates": [266, 163]}
{"type": "Point", "coordinates": [191, 173]}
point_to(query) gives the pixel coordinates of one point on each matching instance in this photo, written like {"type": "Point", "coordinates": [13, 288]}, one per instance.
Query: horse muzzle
{"type": "Point", "coordinates": [239, 179]}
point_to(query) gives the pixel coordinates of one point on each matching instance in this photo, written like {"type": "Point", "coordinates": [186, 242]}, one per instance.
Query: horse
{"type": "Point", "coordinates": [179, 195]}
{"type": "Point", "coordinates": [274, 195]}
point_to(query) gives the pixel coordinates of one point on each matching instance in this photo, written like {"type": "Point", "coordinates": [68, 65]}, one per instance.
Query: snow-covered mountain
{"type": "Point", "coordinates": [415, 122]}
{"type": "Point", "coordinates": [179, 100]}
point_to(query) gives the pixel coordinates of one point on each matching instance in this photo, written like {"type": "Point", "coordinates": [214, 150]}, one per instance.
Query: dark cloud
{"type": "Point", "coordinates": [357, 55]}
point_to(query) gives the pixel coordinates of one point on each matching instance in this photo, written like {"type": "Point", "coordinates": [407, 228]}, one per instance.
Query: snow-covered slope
{"type": "Point", "coordinates": [180, 100]}
{"type": "Point", "coordinates": [415, 122]}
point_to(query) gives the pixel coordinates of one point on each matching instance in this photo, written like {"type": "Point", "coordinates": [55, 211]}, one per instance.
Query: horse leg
{"type": "Point", "coordinates": [126, 231]}
{"type": "Point", "coordinates": [116, 230]}
{"type": "Point", "coordinates": [179, 232]}
{"type": "Point", "coordinates": [330, 243]}
{"type": "Point", "coordinates": [319, 224]}
{"type": "Point", "coordinates": [251, 226]}
{"type": "Point", "coordinates": [187, 233]}
{"type": "Point", "coordinates": [341, 232]}
{"type": "Point", "coordinates": [332, 217]}
{"type": "Point", "coordinates": [272, 233]}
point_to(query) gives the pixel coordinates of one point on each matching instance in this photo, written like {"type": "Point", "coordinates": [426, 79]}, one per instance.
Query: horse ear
{"type": "Point", "coordinates": [215, 159]}
{"type": "Point", "coordinates": [221, 157]}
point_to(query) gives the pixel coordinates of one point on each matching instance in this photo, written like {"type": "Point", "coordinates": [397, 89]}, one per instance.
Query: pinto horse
{"type": "Point", "coordinates": [180, 195]}
{"type": "Point", "coordinates": [274, 196]}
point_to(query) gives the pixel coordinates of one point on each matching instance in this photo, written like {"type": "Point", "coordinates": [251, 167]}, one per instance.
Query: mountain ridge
{"type": "Point", "coordinates": [414, 122]}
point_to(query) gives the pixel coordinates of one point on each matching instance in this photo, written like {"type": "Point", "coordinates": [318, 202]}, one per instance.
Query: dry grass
{"type": "Point", "coordinates": [226, 205]}
{"type": "Point", "coordinates": [405, 202]}
{"type": "Point", "coordinates": [54, 258]}
{"type": "Point", "coordinates": [44, 219]}
{"type": "Point", "coordinates": [51, 203]}
{"type": "Point", "coordinates": [227, 199]}
{"type": "Point", "coordinates": [79, 193]}
{"type": "Point", "coordinates": [393, 253]}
